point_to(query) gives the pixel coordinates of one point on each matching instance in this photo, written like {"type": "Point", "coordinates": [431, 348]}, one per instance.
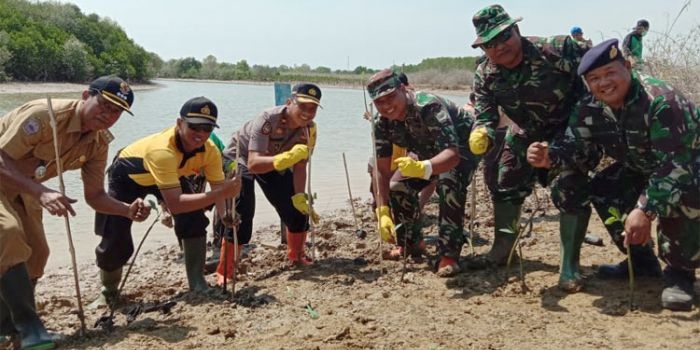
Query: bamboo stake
{"type": "Point", "coordinates": [62, 188]}
{"type": "Point", "coordinates": [375, 171]}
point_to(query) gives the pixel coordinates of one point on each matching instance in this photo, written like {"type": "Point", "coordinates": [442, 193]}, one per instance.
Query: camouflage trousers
{"type": "Point", "coordinates": [452, 191]}
{"type": "Point", "coordinates": [613, 192]}
{"type": "Point", "coordinates": [515, 177]}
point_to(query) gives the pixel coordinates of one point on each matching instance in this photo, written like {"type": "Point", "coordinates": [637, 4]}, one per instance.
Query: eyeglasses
{"type": "Point", "coordinates": [498, 39]}
{"type": "Point", "coordinates": [106, 105]}
{"type": "Point", "coordinates": [201, 127]}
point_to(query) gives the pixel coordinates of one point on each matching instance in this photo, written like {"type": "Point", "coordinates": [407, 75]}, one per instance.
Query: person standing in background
{"type": "Point", "coordinates": [633, 46]}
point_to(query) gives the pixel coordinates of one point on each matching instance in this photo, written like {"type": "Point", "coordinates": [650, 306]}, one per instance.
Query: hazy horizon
{"type": "Point", "coordinates": [345, 34]}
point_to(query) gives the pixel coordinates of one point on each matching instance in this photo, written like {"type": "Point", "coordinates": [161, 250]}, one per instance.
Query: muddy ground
{"type": "Point", "coordinates": [351, 300]}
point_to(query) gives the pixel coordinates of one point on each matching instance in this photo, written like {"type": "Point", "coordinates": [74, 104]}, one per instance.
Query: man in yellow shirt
{"type": "Point", "coordinates": [159, 164]}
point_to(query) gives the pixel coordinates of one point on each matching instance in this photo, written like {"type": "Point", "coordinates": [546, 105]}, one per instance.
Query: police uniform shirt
{"type": "Point", "coordinates": [27, 137]}
{"type": "Point", "coordinates": [160, 160]}
{"type": "Point", "coordinates": [268, 134]}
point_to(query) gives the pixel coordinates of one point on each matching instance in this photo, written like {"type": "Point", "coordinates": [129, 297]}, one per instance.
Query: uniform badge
{"type": "Point", "coordinates": [613, 52]}
{"type": "Point", "coordinates": [108, 136]}
{"type": "Point", "coordinates": [266, 128]}
{"type": "Point", "coordinates": [31, 126]}
{"type": "Point", "coordinates": [40, 171]}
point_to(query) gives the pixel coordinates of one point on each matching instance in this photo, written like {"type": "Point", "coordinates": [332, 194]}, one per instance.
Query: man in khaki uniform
{"type": "Point", "coordinates": [28, 158]}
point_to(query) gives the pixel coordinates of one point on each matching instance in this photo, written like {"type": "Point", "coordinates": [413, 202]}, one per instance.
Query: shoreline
{"type": "Point", "coordinates": [9, 88]}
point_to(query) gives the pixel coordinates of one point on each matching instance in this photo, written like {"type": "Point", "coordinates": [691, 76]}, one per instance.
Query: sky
{"type": "Point", "coordinates": [344, 34]}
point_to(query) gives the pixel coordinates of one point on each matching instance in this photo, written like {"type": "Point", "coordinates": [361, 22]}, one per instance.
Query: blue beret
{"type": "Point", "coordinates": [600, 55]}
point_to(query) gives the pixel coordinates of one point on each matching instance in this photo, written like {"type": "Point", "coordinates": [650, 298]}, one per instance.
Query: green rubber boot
{"type": "Point", "coordinates": [195, 251]}
{"type": "Point", "coordinates": [16, 292]}
{"type": "Point", "coordinates": [507, 219]}
{"type": "Point", "coordinates": [110, 288]}
{"type": "Point", "coordinates": [572, 230]}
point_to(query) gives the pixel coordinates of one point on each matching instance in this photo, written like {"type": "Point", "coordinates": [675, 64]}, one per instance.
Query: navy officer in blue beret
{"type": "Point", "coordinates": [652, 132]}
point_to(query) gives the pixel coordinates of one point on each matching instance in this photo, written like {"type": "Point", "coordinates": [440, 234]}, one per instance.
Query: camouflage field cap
{"type": "Point", "coordinates": [489, 22]}
{"type": "Point", "coordinates": [382, 83]}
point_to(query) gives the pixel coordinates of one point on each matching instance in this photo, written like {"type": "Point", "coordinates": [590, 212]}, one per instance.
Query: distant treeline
{"type": "Point", "coordinates": [50, 41]}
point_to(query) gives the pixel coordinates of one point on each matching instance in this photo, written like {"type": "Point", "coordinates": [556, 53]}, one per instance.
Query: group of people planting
{"type": "Point", "coordinates": [570, 105]}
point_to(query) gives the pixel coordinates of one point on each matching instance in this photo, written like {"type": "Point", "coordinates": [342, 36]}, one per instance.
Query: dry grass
{"type": "Point", "coordinates": [675, 58]}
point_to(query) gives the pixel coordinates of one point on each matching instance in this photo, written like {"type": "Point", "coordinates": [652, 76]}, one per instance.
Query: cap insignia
{"type": "Point", "coordinates": [205, 110]}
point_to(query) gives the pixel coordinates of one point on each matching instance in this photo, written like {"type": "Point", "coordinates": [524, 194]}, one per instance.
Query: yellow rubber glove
{"type": "Point", "coordinates": [287, 159]}
{"type": "Point", "coordinates": [410, 167]}
{"type": "Point", "coordinates": [230, 167]}
{"type": "Point", "coordinates": [386, 224]}
{"type": "Point", "coordinates": [479, 141]}
{"type": "Point", "coordinates": [301, 203]}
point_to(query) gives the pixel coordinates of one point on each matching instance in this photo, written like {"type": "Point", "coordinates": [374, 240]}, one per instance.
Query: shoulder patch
{"type": "Point", "coordinates": [31, 126]}
{"type": "Point", "coordinates": [266, 128]}
{"type": "Point", "coordinates": [424, 98]}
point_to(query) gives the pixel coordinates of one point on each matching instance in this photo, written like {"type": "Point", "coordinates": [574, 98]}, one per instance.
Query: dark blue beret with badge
{"type": "Point", "coordinates": [600, 55]}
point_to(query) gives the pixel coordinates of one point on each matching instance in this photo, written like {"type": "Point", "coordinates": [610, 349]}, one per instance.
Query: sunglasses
{"type": "Point", "coordinates": [201, 127]}
{"type": "Point", "coordinates": [499, 39]}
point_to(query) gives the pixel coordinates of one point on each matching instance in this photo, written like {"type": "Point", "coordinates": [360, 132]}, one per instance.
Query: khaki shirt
{"type": "Point", "coordinates": [269, 134]}
{"type": "Point", "coordinates": [27, 137]}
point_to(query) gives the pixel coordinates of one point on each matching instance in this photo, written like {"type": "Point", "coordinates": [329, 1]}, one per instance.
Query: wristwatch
{"type": "Point", "coordinates": [649, 214]}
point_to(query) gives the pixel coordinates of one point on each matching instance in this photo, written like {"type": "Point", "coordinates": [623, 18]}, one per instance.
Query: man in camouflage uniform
{"type": "Point", "coordinates": [534, 82]}
{"type": "Point", "coordinates": [653, 133]}
{"type": "Point", "coordinates": [435, 130]}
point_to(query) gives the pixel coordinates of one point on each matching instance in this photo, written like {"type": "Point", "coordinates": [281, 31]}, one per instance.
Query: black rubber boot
{"type": "Point", "coordinates": [195, 250]}
{"type": "Point", "coordinates": [16, 292]}
{"type": "Point", "coordinates": [644, 264]}
{"type": "Point", "coordinates": [678, 294]}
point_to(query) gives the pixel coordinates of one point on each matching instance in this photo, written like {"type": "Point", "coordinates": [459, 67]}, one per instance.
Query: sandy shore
{"type": "Point", "coordinates": [34, 87]}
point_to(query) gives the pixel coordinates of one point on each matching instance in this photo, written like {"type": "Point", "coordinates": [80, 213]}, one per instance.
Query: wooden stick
{"type": "Point", "coordinates": [62, 188]}
{"type": "Point", "coordinates": [375, 171]}
{"type": "Point", "coordinates": [352, 204]}
{"type": "Point", "coordinates": [311, 196]}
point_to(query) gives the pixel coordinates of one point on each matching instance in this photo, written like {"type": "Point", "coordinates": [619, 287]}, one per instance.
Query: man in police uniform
{"type": "Point", "coordinates": [161, 164]}
{"type": "Point", "coordinates": [653, 133]}
{"type": "Point", "coordinates": [28, 158]}
{"type": "Point", "coordinates": [435, 130]}
{"type": "Point", "coordinates": [274, 148]}
{"type": "Point", "coordinates": [533, 81]}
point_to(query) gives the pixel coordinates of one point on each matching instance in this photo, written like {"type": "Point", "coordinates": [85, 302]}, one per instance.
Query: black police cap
{"type": "Point", "coordinates": [199, 110]}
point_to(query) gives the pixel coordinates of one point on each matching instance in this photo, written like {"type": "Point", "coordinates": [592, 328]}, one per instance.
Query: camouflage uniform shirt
{"type": "Point", "coordinates": [432, 125]}
{"type": "Point", "coordinates": [656, 133]}
{"type": "Point", "coordinates": [538, 93]}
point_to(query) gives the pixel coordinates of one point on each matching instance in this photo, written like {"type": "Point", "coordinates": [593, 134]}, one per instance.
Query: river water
{"type": "Point", "coordinates": [341, 128]}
